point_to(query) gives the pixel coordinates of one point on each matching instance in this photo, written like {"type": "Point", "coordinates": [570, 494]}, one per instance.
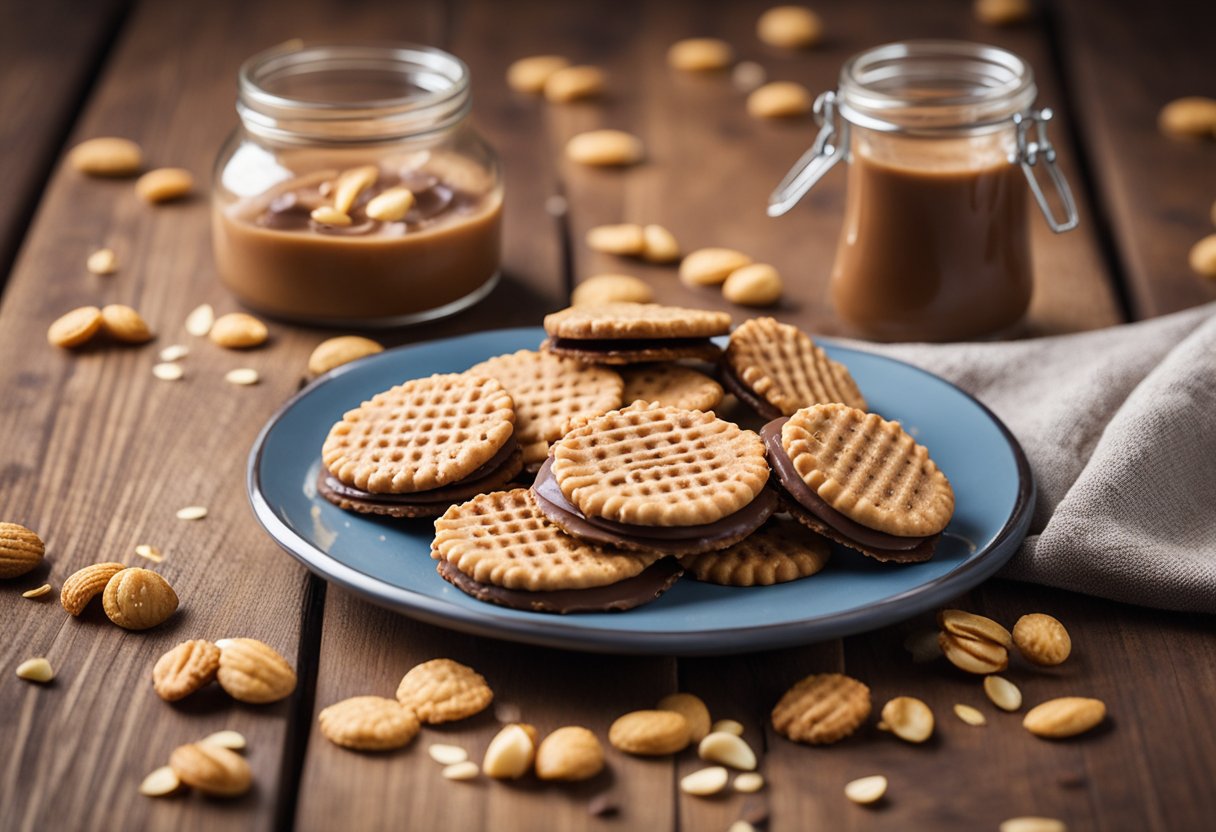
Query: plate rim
{"type": "Point", "coordinates": [542, 631]}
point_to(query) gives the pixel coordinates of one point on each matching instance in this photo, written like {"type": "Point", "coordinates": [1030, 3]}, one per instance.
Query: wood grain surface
{"type": "Point", "coordinates": [97, 455]}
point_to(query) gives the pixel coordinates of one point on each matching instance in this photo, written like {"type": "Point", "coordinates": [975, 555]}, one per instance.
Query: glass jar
{"type": "Point", "coordinates": [355, 191]}
{"type": "Point", "coordinates": [938, 136]}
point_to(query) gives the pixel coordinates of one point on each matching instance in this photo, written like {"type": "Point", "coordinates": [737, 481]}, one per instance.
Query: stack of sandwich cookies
{"type": "Point", "coordinates": [422, 446]}
{"type": "Point", "coordinates": [500, 549]}
{"type": "Point", "coordinates": [632, 333]}
{"type": "Point", "coordinates": [657, 479]}
{"type": "Point", "coordinates": [776, 369]}
{"type": "Point", "coordinates": [859, 480]}
{"type": "Point", "coordinates": [670, 385]}
{"type": "Point", "coordinates": [551, 393]}
{"type": "Point", "coordinates": [781, 550]}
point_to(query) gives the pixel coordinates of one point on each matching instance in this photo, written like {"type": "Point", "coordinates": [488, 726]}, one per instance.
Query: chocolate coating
{"type": "Point", "coordinates": [633, 350]}
{"type": "Point", "coordinates": [671, 540]}
{"type": "Point", "coordinates": [642, 588]}
{"type": "Point", "coordinates": [735, 385]}
{"type": "Point", "coordinates": [801, 496]}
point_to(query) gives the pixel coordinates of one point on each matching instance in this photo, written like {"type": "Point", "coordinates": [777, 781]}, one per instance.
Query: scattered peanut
{"type": "Point", "coordinates": [780, 99]}
{"type": "Point", "coordinates": [973, 655]}
{"type": "Point", "coordinates": [191, 513]}
{"type": "Point", "coordinates": [232, 740]}
{"type": "Point", "coordinates": [328, 215]}
{"type": "Point", "coordinates": [340, 350]}
{"type": "Point", "coordinates": [461, 771]}
{"type": "Point", "coordinates": [789, 27]}
{"type": "Point", "coordinates": [214, 771]}
{"type": "Point", "coordinates": [106, 157]}
{"type": "Point", "coordinates": [75, 328]}
{"type": "Point", "coordinates": [1193, 117]}
{"type": "Point", "coordinates": [124, 324]}
{"type": "Point", "coordinates": [149, 552]}
{"type": "Point", "coordinates": [447, 755]}
{"type": "Point", "coordinates": [1002, 693]}
{"type": "Point", "coordinates": [700, 54]}
{"type": "Point", "coordinates": [659, 245]}
{"type": "Point", "coordinates": [1042, 639]}
{"type": "Point", "coordinates": [758, 284]}
{"type": "Point", "coordinates": [866, 790]}
{"type": "Point", "coordinates": [83, 585]}
{"type": "Point", "coordinates": [36, 670]}
{"type": "Point", "coordinates": [1064, 717]}
{"type": "Point", "coordinates": [138, 599]}
{"type": "Point", "coordinates": [693, 710]}
{"type": "Point", "coordinates": [164, 185]}
{"type": "Point", "coordinates": [748, 782]}
{"type": "Point", "coordinates": [727, 749]}
{"type": "Point", "coordinates": [1002, 12]}
{"type": "Point", "coordinates": [167, 371]}
{"type": "Point", "coordinates": [908, 718]}
{"type": "Point", "coordinates": [961, 623]}
{"type": "Point", "coordinates": [971, 716]}
{"type": "Point", "coordinates": [238, 330]}
{"type": "Point", "coordinates": [624, 238]}
{"type": "Point", "coordinates": [727, 726]}
{"type": "Point", "coordinates": [611, 288]}
{"type": "Point", "coordinates": [569, 753]}
{"type": "Point", "coordinates": [242, 376]}
{"type": "Point", "coordinates": [1202, 257]}
{"type": "Point", "coordinates": [174, 352]}
{"type": "Point", "coordinates": [705, 782]}
{"type": "Point", "coordinates": [530, 74]}
{"type": "Point", "coordinates": [1033, 824]}
{"type": "Point", "coordinates": [37, 592]}
{"type": "Point", "coordinates": [573, 83]}
{"type": "Point", "coordinates": [102, 261]}
{"type": "Point", "coordinates": [21, 550]}
{"type": "Point", "coordinates": [161, 782]}
{"type": "Point", "coordinates": [200, 320]}
{"type": "Point", "coordinates": [510, 754]}
{"type": "Point", "coordinates": [351, 183]}
{"type": "Point", "coordinates": [605, 148]}
{"type": "Point", "coordinates": [711, 266]}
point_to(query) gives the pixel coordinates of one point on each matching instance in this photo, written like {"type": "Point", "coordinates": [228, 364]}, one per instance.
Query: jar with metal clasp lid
{"type": "Point", "coordinates": [942, 141]}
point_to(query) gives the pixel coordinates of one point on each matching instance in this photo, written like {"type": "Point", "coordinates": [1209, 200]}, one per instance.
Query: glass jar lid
{"type": "Point", "coordinates": [934, 86]}
{"type": "Point", "coordinates": [324, 93]}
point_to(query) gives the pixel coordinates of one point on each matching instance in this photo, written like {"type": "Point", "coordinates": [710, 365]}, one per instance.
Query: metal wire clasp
{"type": "Point", "coordinates": [1035, 147]}
{"type": "Point", "coordinates": [829, 148]}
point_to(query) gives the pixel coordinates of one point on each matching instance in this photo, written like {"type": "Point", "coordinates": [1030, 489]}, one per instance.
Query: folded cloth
{"type": "Point", "coordinates": [1119, 426]}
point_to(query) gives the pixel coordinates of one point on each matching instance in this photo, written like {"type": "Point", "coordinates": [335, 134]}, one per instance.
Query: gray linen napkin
{"type": "Point", "coordinates": [1119, 426]}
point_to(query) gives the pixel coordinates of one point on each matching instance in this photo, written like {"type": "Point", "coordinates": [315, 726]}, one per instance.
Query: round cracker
{"type": "Point", "coordinates": [822, 708]}
{"type": "Point", "coordinates": [648, 465]}
{"type": "Point", "coordinates": [782, 550]}
{"type": "Point", "coordinates": [504, 540]}
{"type": "Point", "coordinates": [670, 385]}
{"type": "Point", "coordinates": [635, 320]}
{"type": "Point", "coordinates": [782, 365]}
{"type": "Point", "coordinates": [868, 469]}
{"type": "Point", "coordinates": [420, 435]}
{"type": "Point", "coordinates": [550, 392]}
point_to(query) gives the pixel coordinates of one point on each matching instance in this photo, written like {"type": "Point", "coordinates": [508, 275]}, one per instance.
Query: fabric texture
{"type": "Point", "coordinates": [1119, 426]}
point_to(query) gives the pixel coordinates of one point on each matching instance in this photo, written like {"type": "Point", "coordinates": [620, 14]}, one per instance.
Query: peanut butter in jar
{"type": "Point", "coordinates": [943, 150]}
{"type": "Point", "coordinates": [355, 192]}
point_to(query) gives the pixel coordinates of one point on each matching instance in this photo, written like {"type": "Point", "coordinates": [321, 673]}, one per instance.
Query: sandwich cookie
{"type": "Point", "coordinates": [670, 385]}
{"type": "Point", "coordinates": [633, 333]}
{"type": "Point", "coordinates": [775, 369]}
{"type": "Point", "coordinates": [657, 479]}
{"type": "Point", "coordinates": [860, 481]}
{"type": "Point", "coordinates": [421, 446]}
{"type": "Point", "coordinates": [779, 551]}
{"type": "Point", "coordinates": [499, 548]}
{"type": "Point", "coordinates": [550, 393]}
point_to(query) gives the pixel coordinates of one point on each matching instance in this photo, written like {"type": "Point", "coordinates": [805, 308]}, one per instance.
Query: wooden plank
{"type": "Point", "coordinates": [47, 53]}
{"type": "Point", "coordinates": [98, 455]}
{"type": "Point", "coordinates": [711, 166]}
{"type": "Point", "coordinates": [1158, 191]}
{"type": "Point", "coordinates": [366, 650]}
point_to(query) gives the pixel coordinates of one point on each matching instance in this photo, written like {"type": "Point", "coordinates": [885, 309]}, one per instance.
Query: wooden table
{"type": "Point", "coordinates": [97, 455]}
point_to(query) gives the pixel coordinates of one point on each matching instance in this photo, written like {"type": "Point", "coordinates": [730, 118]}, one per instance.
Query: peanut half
{"type": "Point", "coordinates": [214, 771]}
{"type": "Point", "coordinates": [780, 99]}
{"type": "Point", "coordinates": [659, 245]}
{"type": "Point", "coordinates": [711, 266]}
{"type": "Point", "coordinates": [727, 749]}
{"type": "Point", "coordinates": [605, 148]}
{"type": "Point", "coordinates": [122, 323]}
{"type": "Point", "coordinates": [1202, 257]}
{"type": "Point", "coordinates": [1193, 117]}
{"type": "Point", "coordinates": [866, 790]}
{"type": "Point", "coordinates": [103, 261]}
{"type": "Point", "coordinates": [574, 83]}
{"type": "Point", "coordinates": [700, 55]}
{"type": "Point", "coordinates": [107, 156]}
{"type": "Point", "coordinates": [705, 782]}
{"type": "Point", "coordinates": [611, 288]}
{"type": "Point", "coordinates": [391, 205]}
{"type": "Point", "coordinates": [650, 733]}
{"type": "Point", "coordinates": [789, 27]}
{"type": "Point", "coordinates": [758, 284]}
{"type": "Point", "coordinates": [1064, 717]}
{"type": "Point", "coordinates": [510, 754]}
{"type": "Point", "coordinates": [570, 753]}
{"type": "Point", "coordinates": [36, 670]}
{"type": "Point", "coordinates": [252, 671]}
{"type": "Point", "coordinates": [530, 74]}
{"type": "Point", "coordinates": [238, 330]}
{"type": "Point", "coordinates": [75, 328]}
{"type": "Point", "coordinates": [908, 718]}
{"type": "Point", "coordinates": [693, 709]}
{"type": "Point", "coordinates": [1002, 12]}
{"type": "Point", "coordinates": [343, 349]}
{"type": "Point", "coordinates": [623, 238]}
{"type": "Point", "coordinates": [164, 185]}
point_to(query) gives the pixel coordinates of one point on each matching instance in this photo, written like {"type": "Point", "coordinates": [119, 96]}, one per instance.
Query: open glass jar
{"type": "Point", "coordinates": [355, 191]}
{"type": "Point", "coordinates": [938, 136]}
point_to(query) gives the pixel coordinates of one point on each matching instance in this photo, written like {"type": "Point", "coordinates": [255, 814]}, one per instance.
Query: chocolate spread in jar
{"type": "Point", "coordinates": [933, 249]}
{"type": "Point", "coordinates": [277, 259]}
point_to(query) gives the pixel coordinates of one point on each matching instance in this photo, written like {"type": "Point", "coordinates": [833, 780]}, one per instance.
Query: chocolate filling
{"type": "Point", "coordinates": [745, 394]}
{"type": "Point", "coordinates": [472, 485]}
{"type": "Point", "coordinates": [802, 494]}
{"type": "Point", "coordinates": [642, 588]}
{"type": "Point", "coordinates": [628, 344]}
{"type": "Point", "coordinates": [563, 513]}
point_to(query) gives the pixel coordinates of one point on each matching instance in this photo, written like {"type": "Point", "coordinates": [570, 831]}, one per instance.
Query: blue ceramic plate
{"type": "Point", "coordinates": [388, 561]}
